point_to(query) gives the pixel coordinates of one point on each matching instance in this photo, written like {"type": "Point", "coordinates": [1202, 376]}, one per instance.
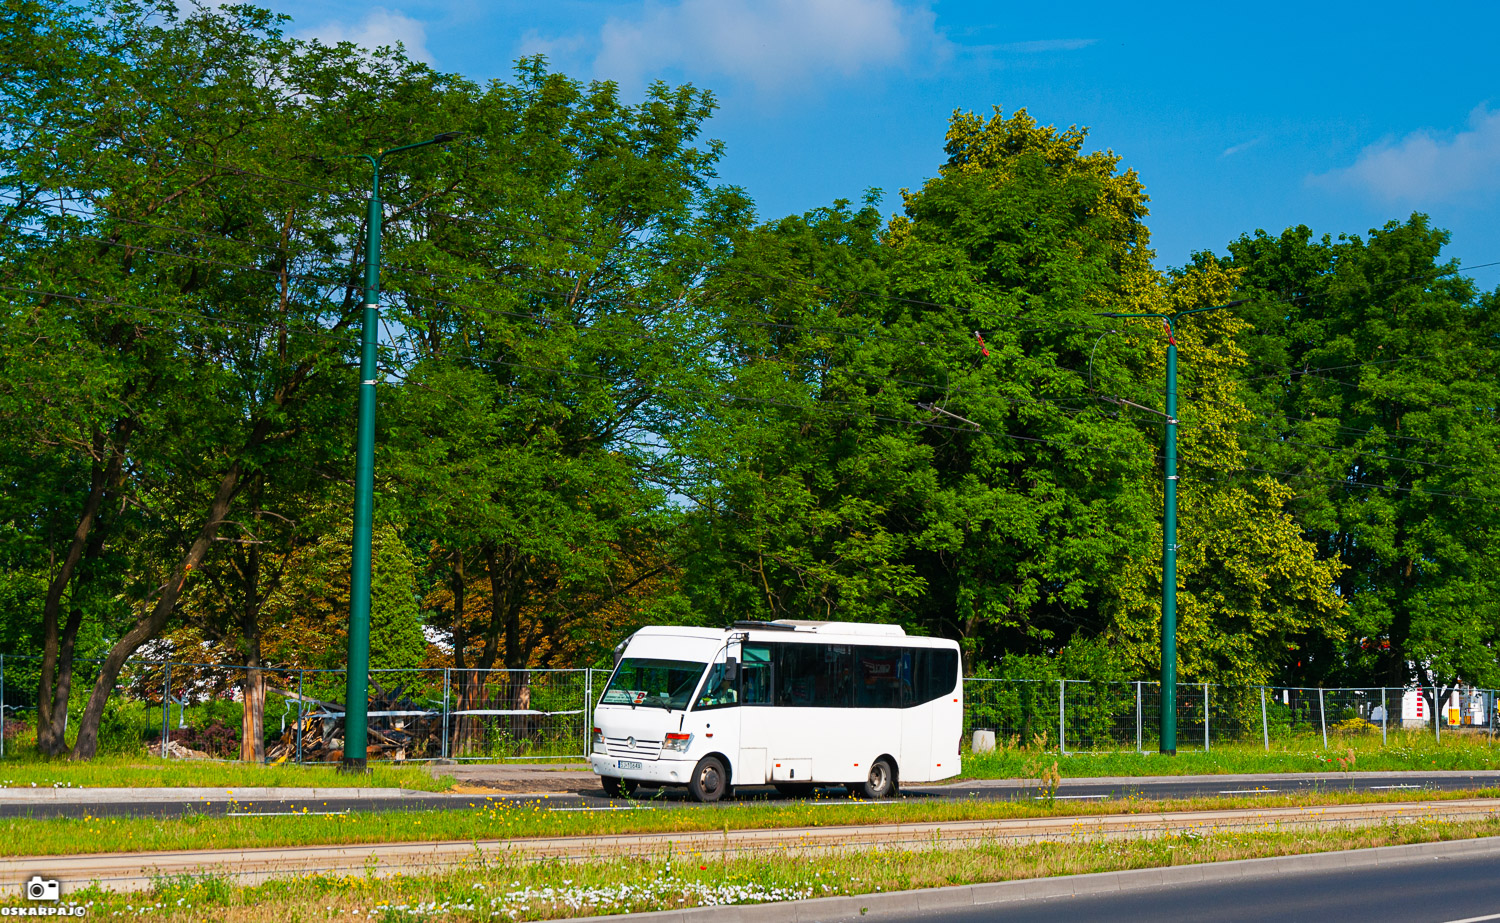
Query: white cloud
{"type": "Point", "coordinates": [379, 27]}
{"type": "Point", "coordinates": [771, 44]}
{"type": "Point", "coordinates": [553, 47]}
{"type": "Point", "coordinates": [1044, 46]}
{"type": "Point", "coordinates": [1241, 147]}
{"type": "Point", "coordinates": [1426, 166]}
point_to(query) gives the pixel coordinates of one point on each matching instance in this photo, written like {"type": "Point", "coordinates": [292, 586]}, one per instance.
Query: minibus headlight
{"type": "Point", "coordinates": [677, 742]}
{"type": "Point", "coordinates": [598, 739]}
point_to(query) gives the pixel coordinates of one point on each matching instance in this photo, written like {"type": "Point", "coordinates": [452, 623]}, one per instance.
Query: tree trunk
{"type": "Point", "coordinates": [253, 724]}
{"type": "Point", "coordinates": [461, 729]}
{"type": "Point", "coordinates": [56, 679]}
{"type": "Point", "coordinates": [87, 744]}
{"type": "Point", "coordinates": [507, 595]}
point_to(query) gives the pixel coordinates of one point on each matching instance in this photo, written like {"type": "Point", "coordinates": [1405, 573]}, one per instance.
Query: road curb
{"type": "Point", "coordinates": [185, 794]}
{"type": "Point", "coordinates": [1491, 775]}
{"type": "Point", "coordinates": [959, 897]}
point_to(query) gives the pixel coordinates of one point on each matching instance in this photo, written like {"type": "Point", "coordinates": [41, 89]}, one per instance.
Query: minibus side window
{"type": "Point", "coordinates": [935, 674]}
{"type": "Point", "coordinates": [882, 677]}
{"type": "Point", "coordinates": [942, 673]}
{"type": "Point", "coordinates": [814, 676]}
{"type": "Point", "coordinates": [718, 689]}
{"type": "Point", "coordinates": [755, 673]}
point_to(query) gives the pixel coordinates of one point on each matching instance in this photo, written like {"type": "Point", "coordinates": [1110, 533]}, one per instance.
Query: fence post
{"type": "Point", "coordinates": [300, 703]}
{"type": "Point", "coordinates": [1062, 689]}
{"type": "Point", "coordinates": [166, 703]}
{"type": "Point", "coordinates": [1437, 707]}
{"type": "Point", "coordinates": [2, 706]}
{"type": "Point", "coordinates": [588, 712]}
{"type": "Point", "coordinates": [1322, 718]}
{"type": "Point", "coordinates": [1138, 745]}
{"type": "Point", "coordinates": [1385, 715]}
{"type": "Point", "coordinates": [1265, 729]}
{"type": "Point", "coordinates": [444, 749]}
{"type": "Point", "coordinates": [1205, 717]}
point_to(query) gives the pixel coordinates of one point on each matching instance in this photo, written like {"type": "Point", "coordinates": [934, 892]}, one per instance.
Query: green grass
{"type": "Point", "coordinates": [486, 819]}
{"type": "Point", "coordinates": [513, 888]}
{"type": "Point", "coordinates": [117, 771]}
{"type": "Point", "coordinates": [1405, 750]}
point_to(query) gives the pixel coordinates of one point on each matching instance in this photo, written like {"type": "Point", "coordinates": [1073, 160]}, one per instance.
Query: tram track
{"type": "Point", "coordinates": [139, 870]}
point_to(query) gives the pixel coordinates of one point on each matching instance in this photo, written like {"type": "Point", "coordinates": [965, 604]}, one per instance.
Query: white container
{"type": "Point", "coordinates": [984, 742]}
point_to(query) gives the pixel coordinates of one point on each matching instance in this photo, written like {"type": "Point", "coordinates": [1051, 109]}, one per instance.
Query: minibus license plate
{"type": "Point", "coordinates": [629, 764]}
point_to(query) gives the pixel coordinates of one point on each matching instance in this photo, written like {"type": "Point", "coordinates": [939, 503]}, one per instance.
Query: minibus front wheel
{"type": "Point", "coordinates": [710, 780]}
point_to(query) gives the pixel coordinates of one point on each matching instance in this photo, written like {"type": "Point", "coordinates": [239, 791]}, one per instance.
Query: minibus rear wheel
{"type": "Point", "coordinates": [881, 782]}
{"type": "Point", "coordinates": [616, 787]}
{"type": "Point", "coordinates": [710, 780]}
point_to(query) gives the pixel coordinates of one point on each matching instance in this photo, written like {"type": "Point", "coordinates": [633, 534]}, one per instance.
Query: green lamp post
{"type": "Point", "coordinates": [1168, 743]}
{"type": "Point", "coordinates": [356, 698]}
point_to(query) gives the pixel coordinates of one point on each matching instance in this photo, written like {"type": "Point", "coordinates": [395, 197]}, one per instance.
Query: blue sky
{"type": "Point", "coordinates": [1340, 116]}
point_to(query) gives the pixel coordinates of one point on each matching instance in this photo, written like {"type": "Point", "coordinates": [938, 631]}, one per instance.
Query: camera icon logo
{"type": "Point", "coordinates": [43, 889]}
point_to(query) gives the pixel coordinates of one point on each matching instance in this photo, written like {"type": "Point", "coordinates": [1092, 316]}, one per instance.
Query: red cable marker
{"type": "Point", "coordinates": [982, 347]}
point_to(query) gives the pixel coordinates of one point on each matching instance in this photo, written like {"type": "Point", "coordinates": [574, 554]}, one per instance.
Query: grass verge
{"type": "Point", "coordinates": [518, 890]}
{"type": "Point", "coordinates": [135, 772]}
{"type": "Point", "coordinates": [489, 820]}
{"type": "Point", "coordinates": [1404, 750]}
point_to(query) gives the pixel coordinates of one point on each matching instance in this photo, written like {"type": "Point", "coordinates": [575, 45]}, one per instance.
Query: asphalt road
{"type": "Point", "coordinates": [591, 798]}
{"type": "Point", "coordinates": [1428, 889]}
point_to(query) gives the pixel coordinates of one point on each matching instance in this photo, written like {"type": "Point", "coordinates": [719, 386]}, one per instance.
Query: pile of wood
{"type": "Point", "coordinates": [391, 737]}
{"type": "Point", "coordinates": [176, 751]}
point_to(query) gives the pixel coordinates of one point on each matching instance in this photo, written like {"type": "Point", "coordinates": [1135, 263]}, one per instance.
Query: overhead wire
{"type": "Point", "coordinates": [351, 281]}
{"type": "Point", "coordinates": [1342, 482]}
{"type": "Point", "coordinates": [860, 292]}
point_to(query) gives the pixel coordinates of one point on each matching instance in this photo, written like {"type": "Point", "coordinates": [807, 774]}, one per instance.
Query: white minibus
{"type": "Point", "coordinates": [794, 704]}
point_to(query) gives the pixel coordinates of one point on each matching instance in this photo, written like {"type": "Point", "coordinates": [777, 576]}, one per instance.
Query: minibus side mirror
{"type": "Point", "coordinates": [732, 670]}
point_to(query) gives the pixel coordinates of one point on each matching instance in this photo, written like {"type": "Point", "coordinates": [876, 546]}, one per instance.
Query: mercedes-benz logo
{"type": "Point", "coordinates": [630, 742]}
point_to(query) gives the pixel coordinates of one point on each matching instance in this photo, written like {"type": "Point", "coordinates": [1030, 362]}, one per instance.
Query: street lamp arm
{"type": "Point", "coordinates": [1175, 314]}
{"type": "Point", "coordinates": [436, 139]}
{"type": "Point", "coordinates": [1216, 307]}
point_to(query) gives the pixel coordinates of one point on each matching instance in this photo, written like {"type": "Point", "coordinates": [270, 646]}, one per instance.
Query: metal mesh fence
{"type": "Point", "coordinates": [1100, 716]}
{"type": "Point", "coordinates": [518, 714]}
{"type": "Point", "coordinates": [199, 710]}
{"type": "Point", "coordinates": [1085, 715]}
{"type": "Point", "coordinates": [1023, 712]}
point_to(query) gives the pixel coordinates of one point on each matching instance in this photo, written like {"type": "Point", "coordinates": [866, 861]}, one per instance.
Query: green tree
{"type": "Point", "coordinates": [1250, 583]}
{"type": "Point", "coordinates": [1376, 395]}
{"type": "Point", "coordinates": [916, 441]}
{"type": "Point", "coordinates": [557, 354]}
{"type": "Point", "coordinates": [181, 288]}
{"type": "Point", "coordinates": [306, 616]}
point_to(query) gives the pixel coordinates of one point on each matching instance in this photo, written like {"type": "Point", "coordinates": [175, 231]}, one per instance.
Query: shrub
{"type": "Point", "coordinates": [1354, 725]}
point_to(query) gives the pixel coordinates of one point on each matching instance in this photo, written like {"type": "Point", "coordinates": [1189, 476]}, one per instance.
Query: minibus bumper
{"type": "Point", "coordinates": [651, 772]}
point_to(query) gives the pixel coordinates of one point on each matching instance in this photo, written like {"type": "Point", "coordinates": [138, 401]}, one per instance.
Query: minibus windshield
{"type": "Point", "coordinates": [651, 683]}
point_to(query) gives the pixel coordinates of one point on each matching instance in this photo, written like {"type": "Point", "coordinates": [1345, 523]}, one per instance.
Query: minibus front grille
{"type": "Point", "coordinates": [643, 749]}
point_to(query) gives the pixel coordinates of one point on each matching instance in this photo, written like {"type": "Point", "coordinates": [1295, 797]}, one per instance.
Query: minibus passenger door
{"type": "Point", "coordinates": [716, 712]}
{"type": "Point", "coordinates": [756, 717]}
